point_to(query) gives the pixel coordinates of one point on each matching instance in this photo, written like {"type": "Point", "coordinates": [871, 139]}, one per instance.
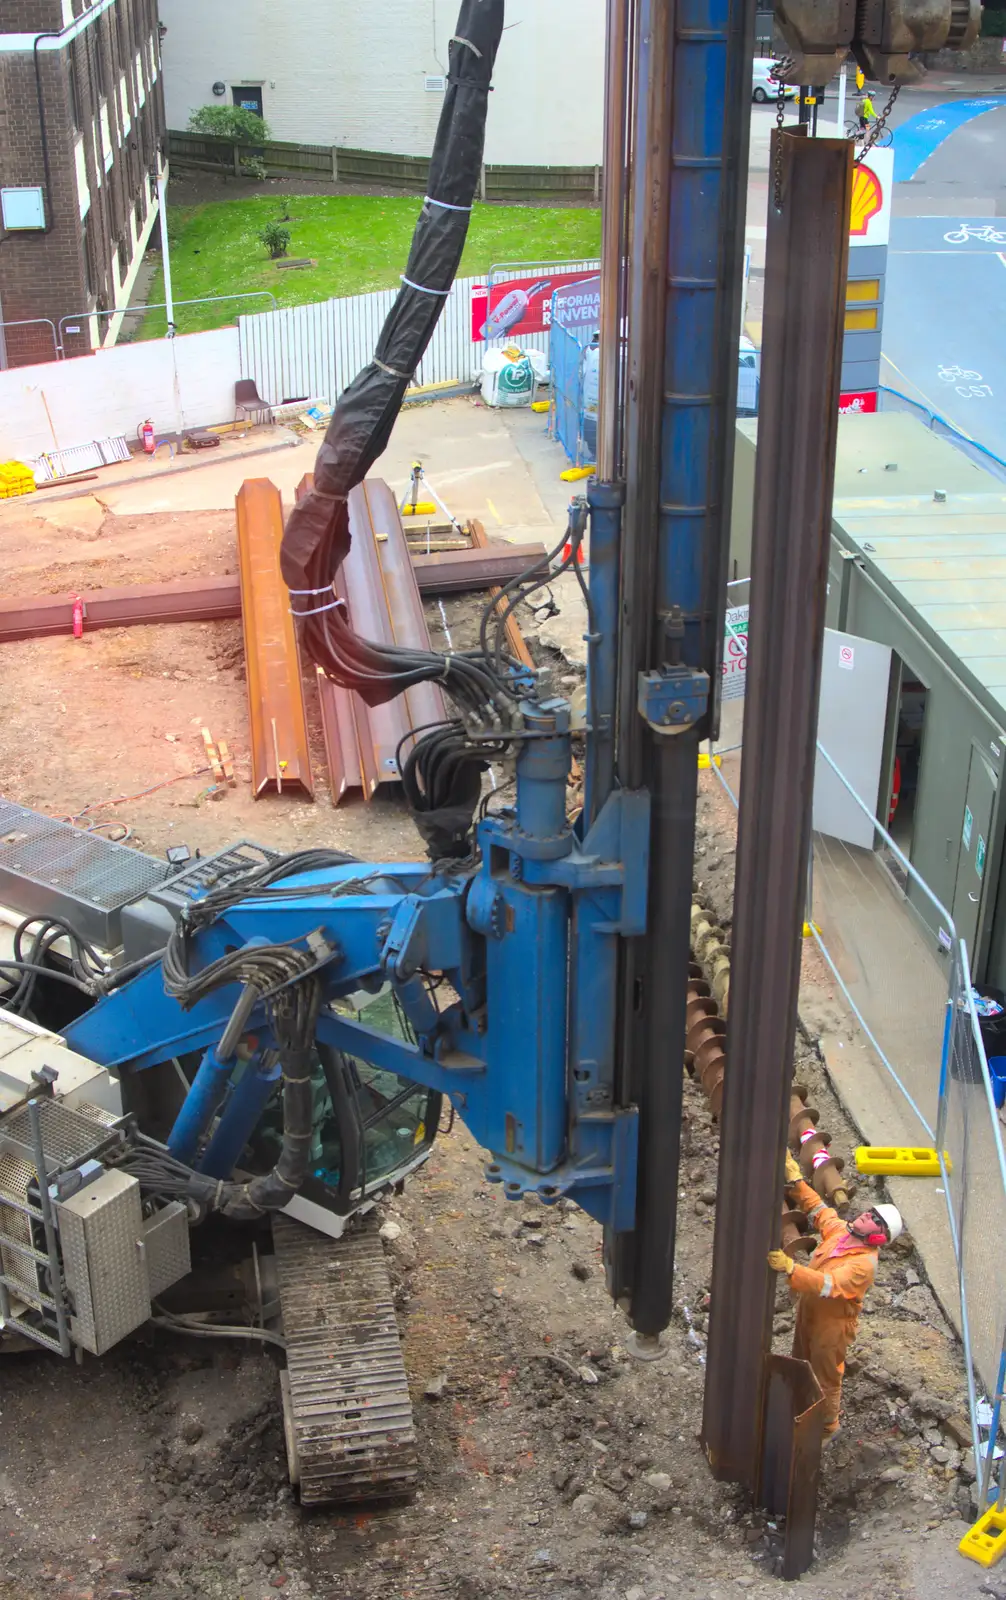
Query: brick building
{"type": "Point", "coordinates": [81, 141]}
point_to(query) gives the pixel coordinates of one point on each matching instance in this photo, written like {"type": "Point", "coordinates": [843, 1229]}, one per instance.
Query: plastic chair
{"type": "Point", "coordinates": [249, 405]}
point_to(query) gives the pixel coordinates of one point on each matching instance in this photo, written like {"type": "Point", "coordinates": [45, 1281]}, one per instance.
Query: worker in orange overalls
{"type": "Point", "coordinates": [830, 1290]}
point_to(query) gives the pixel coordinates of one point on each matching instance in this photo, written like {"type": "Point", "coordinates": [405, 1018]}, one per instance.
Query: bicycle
{"type": "Point", "coordinates": [882, 142]}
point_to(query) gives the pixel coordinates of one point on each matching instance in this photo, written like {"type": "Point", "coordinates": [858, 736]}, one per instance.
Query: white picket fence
{"type": "Point", "coordinates": [314, 351]}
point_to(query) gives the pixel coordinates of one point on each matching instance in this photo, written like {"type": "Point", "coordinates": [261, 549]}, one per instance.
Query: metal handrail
{"type": "Point", "coordinates": [130, 311]}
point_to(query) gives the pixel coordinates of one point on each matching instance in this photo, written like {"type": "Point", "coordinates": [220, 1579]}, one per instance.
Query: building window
{"type": "Point", "coordinates": [122, 252]}
{"type": "Point", "coordinates": [90, 275]}
{"type": "Point", "coordinates": [101, 60]}
{"type": "Point", "coordinates": [76, 110]}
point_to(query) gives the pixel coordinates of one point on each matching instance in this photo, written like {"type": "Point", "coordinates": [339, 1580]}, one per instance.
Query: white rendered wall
{"type": "Point", "coordinates": [187, 382]}
{"type": "Point", "coordinates": [335, 72]}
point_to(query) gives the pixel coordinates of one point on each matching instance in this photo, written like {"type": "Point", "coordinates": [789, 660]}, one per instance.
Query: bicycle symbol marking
{"type": "Point", "coordinates": [986, 233]}
{"type": "Point", "coordinates": [967, 384]}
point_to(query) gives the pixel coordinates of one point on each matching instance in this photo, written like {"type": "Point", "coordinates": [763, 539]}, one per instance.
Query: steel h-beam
{"type": "Point", "coordinates": [693, 65]}
{"type": "Point", "coordinates": [806, 271]}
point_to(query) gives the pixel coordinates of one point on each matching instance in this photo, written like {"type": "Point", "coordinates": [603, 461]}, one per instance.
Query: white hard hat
{"type": "Point", "coordinates": [892, 1219]}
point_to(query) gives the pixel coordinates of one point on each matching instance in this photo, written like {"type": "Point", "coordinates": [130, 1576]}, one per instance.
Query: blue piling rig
{"type": "Point", "coordinates": [565, 946]}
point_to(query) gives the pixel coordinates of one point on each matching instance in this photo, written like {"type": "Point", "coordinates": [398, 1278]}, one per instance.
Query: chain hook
{"type": "Point", "coordinates": [780, 113]}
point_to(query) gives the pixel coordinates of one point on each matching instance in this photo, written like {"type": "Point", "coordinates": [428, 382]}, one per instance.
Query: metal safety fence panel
{"type": "Point", "coordinates": [970, 1144]}
{"type": "Point", "coordinates": [573, 369]}
{"type": "Point", "coordinates": [313, 352]}
{"type": "Point", "coordinates": [29, 343]}
{"type": "Point", "coordinates": [892, 950]}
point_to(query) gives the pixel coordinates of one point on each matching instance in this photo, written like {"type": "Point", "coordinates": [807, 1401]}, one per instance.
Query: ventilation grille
{"type": "Point", "coordinates": [50, 868]}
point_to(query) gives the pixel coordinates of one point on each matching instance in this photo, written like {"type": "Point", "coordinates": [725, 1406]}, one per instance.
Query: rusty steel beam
{"type": "Point", "coordinates": [806, 269]}
{"type": "Point", "coordinates": [187, 600]}
{"type": "Point", "coordinates": [452, 571]}
{"type": "Point", "coordinates": [379, 587]}
{"type": "Point", "coordinates": [790, 1463]}
{"type": "Point", "coordinates": [281, 758]}
{"type": "Point", "coordinates": [219, 598]}
{"type": "Point", "coordinates": [378, 582]}
{"type": "Point", "coordinates": [514, 637]}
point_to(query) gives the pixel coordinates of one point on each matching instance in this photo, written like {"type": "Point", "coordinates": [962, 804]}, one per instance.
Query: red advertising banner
{"type": "Point", "coordinates": [850, 405]}
{"type": "Point", "coordinates": [524, 305]}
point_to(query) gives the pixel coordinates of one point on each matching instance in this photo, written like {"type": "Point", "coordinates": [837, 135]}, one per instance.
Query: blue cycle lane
{"type": "Point", "coordinates": [945, 320]}
{"type": "Point", "coordinates": [919, 137]}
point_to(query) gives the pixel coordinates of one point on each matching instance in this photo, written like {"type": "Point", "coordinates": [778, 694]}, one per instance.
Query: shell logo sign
{"type": "Point", "coordinates": [867, 199]}
{"type": "Point", "coordinates": [871, 199]}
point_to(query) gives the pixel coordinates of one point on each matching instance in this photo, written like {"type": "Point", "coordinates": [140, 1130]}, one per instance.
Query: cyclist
{"type": "Point", "coordinates": [865, 111]}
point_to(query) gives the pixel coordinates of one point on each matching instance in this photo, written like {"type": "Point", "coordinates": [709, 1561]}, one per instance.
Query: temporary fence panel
{"type": "Point", "coordinates": [516, 300]}
{"type": "Point", "coordinates": [912, 997]}
{"type": "Point", "coordinates": [28, 343]}
{"type": "Point", "coordinates": [970, 1145]}
{"type": "Point", "coordinates": [573, 365]}
{"type": "Point", "coordinates": [865, 913]}
{"type": "Point", "coordinates": [315, 351]}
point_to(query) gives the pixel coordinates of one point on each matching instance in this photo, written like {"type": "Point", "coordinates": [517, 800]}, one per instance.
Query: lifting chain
{"type": "Point", "coordinates": [780, 114]}
{"type": "Point", "coordinates": [880, 123]}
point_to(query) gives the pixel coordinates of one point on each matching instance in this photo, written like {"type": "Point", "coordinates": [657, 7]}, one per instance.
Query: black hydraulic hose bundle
{"type": "Point", "coordinates": [317, 537]}
{"type": "Point", "coordinates": [294, 1016]}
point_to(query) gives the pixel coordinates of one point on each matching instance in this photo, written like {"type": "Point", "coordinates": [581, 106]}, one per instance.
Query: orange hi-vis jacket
{"type": "Point", "coordinates": [839, 1281]}
{"type": "Point", "coordinates": [829, 1293]}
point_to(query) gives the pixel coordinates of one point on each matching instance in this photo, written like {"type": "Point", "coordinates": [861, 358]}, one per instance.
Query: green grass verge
{"type": "Point", "coordinates": [360, 243]}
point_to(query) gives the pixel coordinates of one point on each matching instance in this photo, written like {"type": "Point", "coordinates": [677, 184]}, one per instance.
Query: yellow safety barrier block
{"type": "Point", "coordinates": [986, 1541]}
{"type": "Point", "coordinates": [900, 1161]}
{"type": "Point", "coordinates": [541, 405]}
{"type": "Point", "coordinates": [707, 761]}
{"type": "Point", "coordinates": [15, 479]}
{"type": "Point", "coordinates": [810, 928]}
{"type": "Point", "coordinates": [574, 474]}
{"type": "Point", "coordinates": [424, 508]}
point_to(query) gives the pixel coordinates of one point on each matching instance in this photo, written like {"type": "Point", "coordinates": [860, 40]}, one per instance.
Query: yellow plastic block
{"type": "Point", "coordinates": [901, 1161]}
{"type": "Point", "coordinates": [541, 405]}
{"type": "Point", "coordinates": [707, 761]}
{"type": "Point", "coordinates": [423, 508]}
{"type": "Point", "coordinates": [574, 474]}
{"type": "Point", "coordinates": [986, 1541]}
{"type": "Point", "coordinates": [810, 928]}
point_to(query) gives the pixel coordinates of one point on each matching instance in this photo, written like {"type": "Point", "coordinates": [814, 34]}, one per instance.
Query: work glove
{"type": "Point", "coordinates": [779, 1261]}
{"type": "Point", "coordinates": [793, 1173]}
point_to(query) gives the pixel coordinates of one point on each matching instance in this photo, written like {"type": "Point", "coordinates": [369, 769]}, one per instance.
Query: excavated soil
{"type": "Point", "coordinates": [553, 1465]}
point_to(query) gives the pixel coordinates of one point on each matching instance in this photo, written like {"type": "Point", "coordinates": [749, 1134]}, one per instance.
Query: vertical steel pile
{"type": "Point", "coordinates": [692, 65]}
{"type": "Point", "coordinates": [805, 286]}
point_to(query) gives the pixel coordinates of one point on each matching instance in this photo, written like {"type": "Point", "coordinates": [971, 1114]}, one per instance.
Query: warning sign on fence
{"type": "Point", "coordinates": [735, 653]}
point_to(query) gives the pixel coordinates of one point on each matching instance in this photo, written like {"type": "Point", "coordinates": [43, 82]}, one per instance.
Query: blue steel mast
{"type": "Point", "coordinates": [690, 141]}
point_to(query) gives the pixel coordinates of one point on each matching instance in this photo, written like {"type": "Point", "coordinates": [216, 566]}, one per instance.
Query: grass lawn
{"type": "Point", "coordinates": [360, 243]}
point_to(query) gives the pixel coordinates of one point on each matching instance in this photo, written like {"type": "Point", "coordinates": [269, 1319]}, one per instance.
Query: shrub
{"type": "Point", "coordinates": [276, 239]}
{"type": "Point", "coordinates": [254, 168]}
{"type": "Point", "coordinates": [230, 122]}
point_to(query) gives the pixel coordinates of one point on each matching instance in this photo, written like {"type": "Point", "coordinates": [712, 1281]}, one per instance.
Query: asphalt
{"type": "Point", "coordinates": [944, 322]}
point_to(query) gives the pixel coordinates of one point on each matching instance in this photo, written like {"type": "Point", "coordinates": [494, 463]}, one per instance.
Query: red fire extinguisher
{"type": "Point", "coordinates": [78, 617]}
{"type": "Point", "coordinates": [149, 437]}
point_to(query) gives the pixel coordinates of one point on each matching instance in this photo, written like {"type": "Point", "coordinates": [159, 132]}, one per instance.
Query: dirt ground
{"type": "Point", "coordinates": [553, 1465]}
